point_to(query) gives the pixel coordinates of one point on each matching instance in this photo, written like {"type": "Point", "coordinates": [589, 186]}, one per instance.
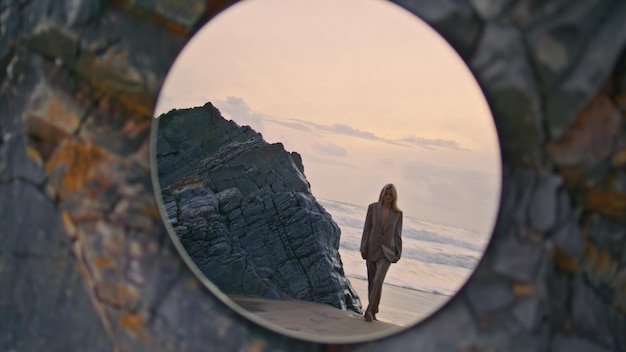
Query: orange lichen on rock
{"type": "Point", "coordinates": [256, 346]}
{"type": "Point", "coordinates": [76, 161]}
{"type": "Point", "coordinates": [523, 289]}
{"type": "Point", "coordinates": [590, 138]}
{"type": "Point", "coordinates": [609, 203]}
{"type": "Point", "coordinates": [51, 117]}
{"type": "Point", "coordinates": [618, 159]}
{"type": "Point", "coordinates": [127, 293]}
{"type": "Point", "coordinates": [605, 264]}
{"type": "Point", "coordinates": [101, 262]}
{"type": "Point", "coordinates": [114, 76]}
{"type": "Point", "coordinates": [564, 261]}
{"type": "Point", "coordinates": [34, 154]}
{"type": "Point", "coordinates": [600, 261]}
{"type": "Point", "coordinates": [133, 322]}
{"type": "Point", "coordinates": [69, 224]}
{"type": "Point", "coordinates": [152, 211]}
{"type": "Point", "coordinates": [118, 295]}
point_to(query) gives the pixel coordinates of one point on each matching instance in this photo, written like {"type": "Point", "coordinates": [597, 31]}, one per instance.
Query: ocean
{"type": "Point", "coordinates": [436, 259]}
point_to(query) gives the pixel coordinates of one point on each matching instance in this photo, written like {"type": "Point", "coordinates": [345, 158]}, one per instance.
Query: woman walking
{"type": "Point", "coordinates": [381, 244]}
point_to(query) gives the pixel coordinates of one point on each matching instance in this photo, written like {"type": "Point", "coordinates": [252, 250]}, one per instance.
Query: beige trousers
{"type": "Point", "coordinates": [376, 271]}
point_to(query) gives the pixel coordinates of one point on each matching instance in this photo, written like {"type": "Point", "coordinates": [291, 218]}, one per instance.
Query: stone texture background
{"type": "Point", "coordinates": [86, 262]}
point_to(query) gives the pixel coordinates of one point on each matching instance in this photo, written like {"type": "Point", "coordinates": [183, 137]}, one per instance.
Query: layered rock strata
{"type": "Point", "coordinates": [243, 210]}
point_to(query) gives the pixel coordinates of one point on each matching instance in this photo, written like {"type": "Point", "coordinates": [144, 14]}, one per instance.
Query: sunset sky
{"type": "Point", "coordinates": [367, 94]}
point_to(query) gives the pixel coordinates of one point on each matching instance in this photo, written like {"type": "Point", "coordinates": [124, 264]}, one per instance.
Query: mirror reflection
{"type": "Point", "coordinates": [280, 126]}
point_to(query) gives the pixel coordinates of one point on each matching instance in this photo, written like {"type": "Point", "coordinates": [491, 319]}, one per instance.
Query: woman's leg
{"type": "Point", "coordinates": [382, 266]}
{"type": "Point", "coordinates": [371, 273]}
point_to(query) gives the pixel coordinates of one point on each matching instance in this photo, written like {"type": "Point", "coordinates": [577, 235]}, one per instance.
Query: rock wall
{"type": "Point", "coordinates": [243, 210]}
{"type": "Point", "coordinates": [78, 84]}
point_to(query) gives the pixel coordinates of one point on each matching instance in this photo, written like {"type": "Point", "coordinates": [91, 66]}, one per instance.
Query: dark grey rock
{"type": "Point", "coordinates": [589, 317]}
{"type": "Point", "coordinates": [525, 342]}
{"type": "Point", "coordinates": [618, 326]}
{"type": "Point", "coordinates": [569, 343]}
{"type": "Point", "coordinates": [522, 12]}
{"type": "Point", "coordinates": [516, 194]}
{"type": "Point", "coordinates": [596, 129]}
{"type": "Point", "coordinates": [82, 11]}
{"type": "Point", "coordinates": [490, 9]}
{"type": "Point", "coordinates": [35, 257]}
{"type": "Point", "coordinates": [565, 209]}
{"type": "Point", "coordinates": [557, 297]}
{"type": "Point", "coordinates": [518, 260]}
{"type": "Point", "coordinates": [14, 162]}
{"type": "Point", "coordinates": [244, 211]}
{"type": "Point", "coordinates": [508, 82]}
{"type": "Point", "coordinates": [529, 313]}
{"type": "Point", "coordinates": [607, 234]}
{"type": "Point", "coordinates": [554, 43]}
{"type": "Point", "coordinates": [500, 296]}
{"type": "Point", "coordinates": [454, 318]}
{"type": "Point", "coordinates": [543, 205]}
{"type": "Point", "coordinates": [574, 40]}
{"type": "Point", "coordinates": [569, 239]}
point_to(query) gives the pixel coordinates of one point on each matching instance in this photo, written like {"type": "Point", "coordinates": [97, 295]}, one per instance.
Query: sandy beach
{"type": "Point", "coordinates": [399, 308]}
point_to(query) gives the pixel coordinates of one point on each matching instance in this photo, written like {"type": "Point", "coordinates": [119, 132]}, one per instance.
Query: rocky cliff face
{"type": "Point", "coordinates": [244, 211]}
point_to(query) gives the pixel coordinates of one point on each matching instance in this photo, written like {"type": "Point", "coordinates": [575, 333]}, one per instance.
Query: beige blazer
{"type": "Point", "coordinates": [377, 237]}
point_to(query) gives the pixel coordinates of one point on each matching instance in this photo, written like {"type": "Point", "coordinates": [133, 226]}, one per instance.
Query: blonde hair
{"type": "Point", "coordinates": [394, 193]}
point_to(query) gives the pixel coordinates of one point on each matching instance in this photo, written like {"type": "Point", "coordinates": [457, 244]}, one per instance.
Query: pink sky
{"type": "Point", "coordinates": [367, 95]}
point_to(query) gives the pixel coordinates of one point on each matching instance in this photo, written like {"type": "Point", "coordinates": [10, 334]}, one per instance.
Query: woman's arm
{"type": "Point", "coordinates": [398, 237]}
{"type": "Point", "coordinates": [367, 227]}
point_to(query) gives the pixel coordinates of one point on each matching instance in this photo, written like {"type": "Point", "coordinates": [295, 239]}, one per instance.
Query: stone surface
{"type": "Point", "coordinates": [552, 71]}
{"type": "Point", "coordinates": [511, 90]}
{"type": "Point", "coordinates": [543, 204]}
{"type": "Point", "coordinates": [564, 343]}
{"type": "Point", "coordinates": [32, 262]}
{"type": "Point", "coordinates": [243, 210]}
{"type": "Point", "coordinates": [598, 26]}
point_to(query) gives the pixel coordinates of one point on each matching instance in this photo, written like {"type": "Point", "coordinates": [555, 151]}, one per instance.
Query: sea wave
{"type": "Point", "coordinates": [436, 258]}
{"type": "Point", "coordinates": [406, 287]}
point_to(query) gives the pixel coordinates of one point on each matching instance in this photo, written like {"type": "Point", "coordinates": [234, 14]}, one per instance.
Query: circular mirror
{"type": "Point", "coordinates": [278, 126]}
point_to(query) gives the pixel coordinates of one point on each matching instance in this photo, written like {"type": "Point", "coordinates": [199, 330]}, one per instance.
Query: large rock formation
{"type": "Point", "coordinates": [243, 210]}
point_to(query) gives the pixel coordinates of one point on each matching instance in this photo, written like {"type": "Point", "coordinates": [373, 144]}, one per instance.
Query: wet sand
{"type": "Point", "coordinates": [399, 308]}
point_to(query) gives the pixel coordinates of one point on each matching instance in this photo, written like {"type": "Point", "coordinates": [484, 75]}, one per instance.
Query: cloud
{"type": "Point", "coordinates": [330, 149]}
{"type": "Point", "coordinates": [409, 141]}
{"type": "Point", "coordinates": [291, 124]}
{"type": "Point", "coordinates": [238, 111]}
{"type": "Point", "coordinates": [342, 129]}
{"type": "Point", "coordinates": [349, 131]}
{"type": "Point", "coordinates": [429, 143]}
